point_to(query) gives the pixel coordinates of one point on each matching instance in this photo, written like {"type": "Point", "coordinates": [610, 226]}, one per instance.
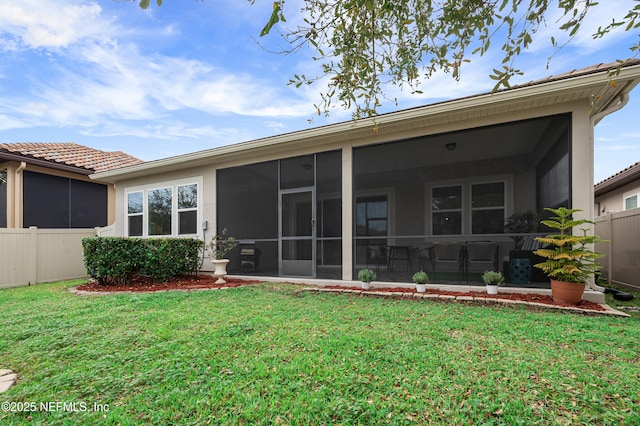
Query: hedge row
{"type": "Point", "coordinates": [118, 259]}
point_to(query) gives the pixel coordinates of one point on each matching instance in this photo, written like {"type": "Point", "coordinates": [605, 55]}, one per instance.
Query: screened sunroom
{"type": "Point", "coordinates": [439, 203]}
{"type": "Point", "coordinates": [411, 199]}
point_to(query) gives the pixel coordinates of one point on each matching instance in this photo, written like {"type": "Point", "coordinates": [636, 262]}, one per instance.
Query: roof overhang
{"type": "Point", "coordinates": [594, 86]}
{"type": "Point", "coordinates": [618, 180]}
{"type": "Point", "coordinates": [7, 156]}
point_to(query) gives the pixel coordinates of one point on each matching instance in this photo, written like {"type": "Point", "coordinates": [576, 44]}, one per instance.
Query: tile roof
{"type": "Point", "coordinates": [71, 154]}
{"type": "Point", "coordinates": [612, 67]}
{"type": "Point", "coordinates": [619, 179]}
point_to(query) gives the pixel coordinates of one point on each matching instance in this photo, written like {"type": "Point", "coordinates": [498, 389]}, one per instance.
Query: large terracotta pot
{"type": "Point", "coordinates": [563, 292]}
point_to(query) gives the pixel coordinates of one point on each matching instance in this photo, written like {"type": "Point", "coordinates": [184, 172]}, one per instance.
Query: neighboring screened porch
{"type": "Point", "coordinates": [439, 203]}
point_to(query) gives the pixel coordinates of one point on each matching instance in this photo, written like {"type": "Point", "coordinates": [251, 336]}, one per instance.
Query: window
{"type": "Point", "coordinates": [163, 210]}
{"type": "Point", "coordinates": [487, 208]}
{"type": "Point", "coordinates": [371, 216]}
{"type": "Point", "coordinates": [631, 202]}
{"type": "Point", "coordinates": [159, 202]}
{"type": "Point", "coordinates": [187, 209]}
{"type": "Point", "coordinates": [446, 210]}
{"type": "Point", "coordinates": [468, 208]}
{"type": "Point", "coordinates": [134, 213]}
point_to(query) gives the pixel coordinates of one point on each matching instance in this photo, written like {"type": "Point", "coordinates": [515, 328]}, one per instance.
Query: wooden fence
{"type": "Point", "coordinates": [30, 256]}
{"type": "Point", "coordinates": [621, 266]}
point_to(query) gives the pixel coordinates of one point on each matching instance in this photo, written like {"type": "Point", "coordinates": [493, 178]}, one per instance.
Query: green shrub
{"type": "Point", "coordinates": [420, 277]}
{"type": "Point", "coordinates": [493, 277]}
{"type": "Point", "coordinates": [117, 259]}
{"type": "Point", "coordinates": [366, 275]}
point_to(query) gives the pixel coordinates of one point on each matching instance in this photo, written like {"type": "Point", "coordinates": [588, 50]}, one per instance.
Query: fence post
{"type": "Point", "coordinates": [610, 250]}
{"type": "Point", "coordinates": [33, 255]}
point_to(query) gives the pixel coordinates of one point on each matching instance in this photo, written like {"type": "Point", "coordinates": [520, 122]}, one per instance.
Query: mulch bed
{"type": "Point", "coordinates": [182, 282]}
{"type": "Point", "coordinates": [204, 281]}
{"type": "Point", "coordinates": [524, 297]}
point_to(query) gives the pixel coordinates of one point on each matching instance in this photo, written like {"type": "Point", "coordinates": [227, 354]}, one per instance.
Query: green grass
{"type": "Point", "coordinates": [270, 354]}
{"type": "Point", "coordinates": [631, 307]}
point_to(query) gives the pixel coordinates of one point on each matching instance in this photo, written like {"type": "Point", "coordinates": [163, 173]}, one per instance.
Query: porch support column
{"type": "Point", "coordinates": [582, 164]}
{"type": "Point", "coordinates": [347, 213]}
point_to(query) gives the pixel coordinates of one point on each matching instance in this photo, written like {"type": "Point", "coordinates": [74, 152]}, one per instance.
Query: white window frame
{"type": "Point", "coordinates": [188, 209]}
{"type": "Point", "coordinates": [467, 208]}
{"type": "Point", "coordinates": [477, 209]}
{"type": "Point", "coordinates": [174, 184]}
{"type": "Point", "coordinates": [129, 215]}
{"type": "Point", "coordinates": [627, 197]}
{"type": "Point", "coordinates": [463, 198]}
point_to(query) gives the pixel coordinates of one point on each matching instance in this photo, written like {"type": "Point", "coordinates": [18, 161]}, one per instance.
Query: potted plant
{"type": "Point", "coordinates": [219, 246]}
{"type": "Point", "coordinates": [492, 279]}
{"type": "Point", "coordinates": [569, 262]}
{"type": "Point", "coordinates": [521, 223]}
{"type": "Point", "coordinates": [420, 278]}
{"type": "Point", "coordinates": [366, 276]}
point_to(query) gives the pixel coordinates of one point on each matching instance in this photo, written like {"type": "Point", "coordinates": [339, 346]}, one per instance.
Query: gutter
{"type": "Point", "coordinates": [44, 163]}
{"type": "Point", "coordinates": [616, 181]}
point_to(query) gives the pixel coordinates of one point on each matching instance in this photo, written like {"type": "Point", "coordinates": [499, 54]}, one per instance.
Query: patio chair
{"type": "Point", "coordinates": [480, 257]}
{"type": "Point", "coordinates": [376, 256]}
{"type": "Point", "coordinates": [451, 254]}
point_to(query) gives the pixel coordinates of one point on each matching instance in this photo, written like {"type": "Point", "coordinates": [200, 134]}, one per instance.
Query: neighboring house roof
{"type": "Point", "coordinates": [621, 178]}
{"type": "Point", "coordinates": [607, 86]}
{"type": "Point", "coordinates": [67, 156]}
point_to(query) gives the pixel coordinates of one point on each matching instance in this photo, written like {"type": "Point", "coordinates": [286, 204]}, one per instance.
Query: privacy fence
{"type": "Point", "coordinates": [621, 266]}
{"type": "Point", "coordinates": [30, 256]}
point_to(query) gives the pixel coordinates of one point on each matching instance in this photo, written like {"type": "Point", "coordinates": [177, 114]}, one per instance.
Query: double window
{"type": "Point", "coordinates": [165, 210]}
{"type": "Point", "coordinates": [475, 208]}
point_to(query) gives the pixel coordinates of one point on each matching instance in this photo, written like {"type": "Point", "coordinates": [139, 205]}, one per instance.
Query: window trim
{"type": "Point", "coordinates": [472, 209]}
{"type": "Point", "coordinates": [467, 208]}
{"type": "Point", "coordinates": [463, 201]}
{"type": "Point", "coordinates": [173, 185]}
{"type": "Point", "coordinates": [626, 197]}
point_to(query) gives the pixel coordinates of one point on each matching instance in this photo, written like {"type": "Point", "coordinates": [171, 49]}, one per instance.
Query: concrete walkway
{"type": "Point", "coordinates": [7, 379]}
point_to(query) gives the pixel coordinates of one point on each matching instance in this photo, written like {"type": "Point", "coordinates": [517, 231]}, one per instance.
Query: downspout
{"type": "Point", "coordinates": [17, 196]}
{"type": "Point", "coordinates": [623, 98]}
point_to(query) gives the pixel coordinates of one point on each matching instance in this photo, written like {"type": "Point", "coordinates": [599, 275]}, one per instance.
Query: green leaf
{"type": "Point", "coordinates": [274, 19]}
{"type": "Point", "coordinates": [144, 4]}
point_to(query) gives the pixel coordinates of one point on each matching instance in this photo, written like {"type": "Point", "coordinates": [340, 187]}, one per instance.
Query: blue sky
{"type": "Point", "coordinates": [193, 75]}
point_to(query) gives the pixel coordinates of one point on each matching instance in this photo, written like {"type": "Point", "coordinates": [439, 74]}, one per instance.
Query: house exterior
{"type": "Point", "coordinates": [47, 185]}
{"type": "Point", "coordinates": [325, 202]}
{"type": "Point", "coordinates": [619, 192]}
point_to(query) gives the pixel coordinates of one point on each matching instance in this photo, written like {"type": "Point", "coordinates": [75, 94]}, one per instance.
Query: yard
{"type": "Point", "coordinates": [269, 354]}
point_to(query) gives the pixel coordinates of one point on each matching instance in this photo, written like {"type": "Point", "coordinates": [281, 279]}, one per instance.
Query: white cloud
{"type": "Point", "coordinates": [34, 24]}
{"type": "Point", "coordinates": [101, 75]}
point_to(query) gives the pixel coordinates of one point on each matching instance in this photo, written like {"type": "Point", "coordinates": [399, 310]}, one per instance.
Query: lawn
{"type": "Point", "coordinates": [270, 354]}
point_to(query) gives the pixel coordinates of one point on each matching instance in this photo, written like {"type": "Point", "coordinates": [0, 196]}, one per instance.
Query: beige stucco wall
{"type": "Point", "coordinates": [613, 201]}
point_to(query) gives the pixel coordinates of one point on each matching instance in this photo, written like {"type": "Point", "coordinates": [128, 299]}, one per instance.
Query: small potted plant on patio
{"type": "Point", "coordinates": [366, 276]}
{"type": "Point", "coordinates": [492, 279]}
{"type": "Point", "coordinates": [569, 262]}
{"type": "Point", "coordinates": [219, 246]}
{"type": "Point", "coordinates": [420, 278]}
{"type": "Point", "coordinates": [521, 223]}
